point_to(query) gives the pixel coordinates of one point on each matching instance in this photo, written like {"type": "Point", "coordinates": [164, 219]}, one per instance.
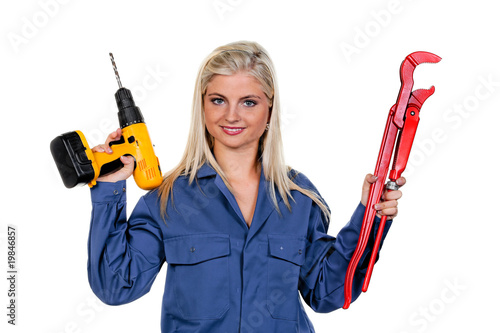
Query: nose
{"type": "Point", "coordinates": [232, 113]}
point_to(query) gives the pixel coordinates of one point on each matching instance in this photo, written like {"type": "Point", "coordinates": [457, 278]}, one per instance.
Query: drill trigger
{"type": "Point", "coordinates": [117, 142]}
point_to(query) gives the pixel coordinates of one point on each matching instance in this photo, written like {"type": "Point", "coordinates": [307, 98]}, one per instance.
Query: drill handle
{"type": "Point", "coordinates": [135, 142]}
{"type": "Point", "coordinates": [110, 163]}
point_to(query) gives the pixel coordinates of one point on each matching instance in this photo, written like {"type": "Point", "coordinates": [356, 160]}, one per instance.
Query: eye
{"type": "Point", "coordinates": [249, 103]}
{"type": "Point", "coordinates": [217, 101]}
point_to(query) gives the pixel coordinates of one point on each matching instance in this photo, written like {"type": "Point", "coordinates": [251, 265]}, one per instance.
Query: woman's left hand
{"type": "Point", "coordinates": [388, 204]}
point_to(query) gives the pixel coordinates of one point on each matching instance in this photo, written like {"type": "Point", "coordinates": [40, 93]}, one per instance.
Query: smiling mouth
{"type": "Point", "coordinates": [232, 130]}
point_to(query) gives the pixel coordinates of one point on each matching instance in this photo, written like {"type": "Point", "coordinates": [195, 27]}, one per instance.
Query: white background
{"type": "Point", "coordinates": [338, 70]}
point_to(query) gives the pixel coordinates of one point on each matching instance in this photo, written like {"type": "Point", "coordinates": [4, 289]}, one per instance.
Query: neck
{"type": "Point", "coordinates": [237, 164]}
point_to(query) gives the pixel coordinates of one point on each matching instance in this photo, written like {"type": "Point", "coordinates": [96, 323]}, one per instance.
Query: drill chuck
{"type": "Point", "coordinates": [128, 112]}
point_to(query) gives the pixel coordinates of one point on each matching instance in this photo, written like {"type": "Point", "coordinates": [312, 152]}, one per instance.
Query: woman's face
{"type": "Point", "coordinates": [236, 111]}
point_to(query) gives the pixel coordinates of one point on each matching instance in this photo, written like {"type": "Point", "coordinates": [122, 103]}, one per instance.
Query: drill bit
{"type": "Point", "coordinates": [116, 70]}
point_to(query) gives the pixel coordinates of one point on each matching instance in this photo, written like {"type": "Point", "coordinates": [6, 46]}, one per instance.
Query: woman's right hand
{"type": "Point", "coordinates": [128, 161]}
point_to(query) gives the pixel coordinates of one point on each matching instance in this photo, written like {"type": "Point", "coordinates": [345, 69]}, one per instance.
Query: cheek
{"type": "Point", "coordinates": [208, 121]}
{"type": "Point", "coordinates": [265, 116]}
{"type": "Point", "coordinates": [209, 114]}
{"type": "Point", "coordinates": [211, 121]}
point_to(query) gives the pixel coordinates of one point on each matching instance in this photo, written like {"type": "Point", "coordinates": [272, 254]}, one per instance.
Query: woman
{"type": "Point", "coordinates": [242, 233]}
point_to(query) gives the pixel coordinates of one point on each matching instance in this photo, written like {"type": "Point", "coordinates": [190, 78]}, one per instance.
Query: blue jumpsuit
{"type": "Point", "coordinates": [223, 276]}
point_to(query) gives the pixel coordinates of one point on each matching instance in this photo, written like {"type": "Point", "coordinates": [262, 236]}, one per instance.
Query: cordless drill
{"type": "Point", "coordinates": [78, 165]}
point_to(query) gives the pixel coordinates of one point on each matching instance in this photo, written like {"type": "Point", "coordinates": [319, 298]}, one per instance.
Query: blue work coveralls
{"type": "Point", "coordinates": [223, 276]}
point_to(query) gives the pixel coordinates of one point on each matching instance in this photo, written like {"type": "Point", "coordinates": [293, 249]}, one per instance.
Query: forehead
{"type": "Point", "coordinates": [243, 83]}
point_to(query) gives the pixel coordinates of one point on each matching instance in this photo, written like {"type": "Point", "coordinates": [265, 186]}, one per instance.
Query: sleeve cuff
{"type": "Point", "coordinates": [108, 192]}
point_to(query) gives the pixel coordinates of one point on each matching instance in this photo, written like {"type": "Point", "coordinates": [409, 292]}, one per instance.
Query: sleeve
{"type": "Point", "coordinates": [124, 257]}
{"type": "Point", "coordinates": [327, 258]}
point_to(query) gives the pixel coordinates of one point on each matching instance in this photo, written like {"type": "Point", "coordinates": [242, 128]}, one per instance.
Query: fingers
{"type": "Point", "coordinates": [122, 174]}
{"type": "Point", "coordinates": [101, 149]}
{"type": "Point", "coordinates": [128, 161]}
{"type": "Point", "coordinates": [388, 208]}
{"type": "Point", "coordinates": [105, 148]}
{"type": "Point", "coordinates": [113, 136]}
{"type": "Point", "coordinates": [392, 195]}
{"type": "Point", "coordinates": [401, 181]}
{"type": "Point", "coordinates": [388, 205]}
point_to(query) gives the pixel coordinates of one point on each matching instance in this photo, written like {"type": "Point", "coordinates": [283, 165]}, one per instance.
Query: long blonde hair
{"type": "Point", "coordinates": [248, 57]}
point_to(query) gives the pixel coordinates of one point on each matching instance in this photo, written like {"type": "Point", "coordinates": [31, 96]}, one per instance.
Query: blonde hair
{"type": "Point", "coordinates": [248, 57]}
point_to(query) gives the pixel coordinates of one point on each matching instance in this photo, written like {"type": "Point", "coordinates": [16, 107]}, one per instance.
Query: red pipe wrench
{"type": "Point", "coordinates": [399, 132]}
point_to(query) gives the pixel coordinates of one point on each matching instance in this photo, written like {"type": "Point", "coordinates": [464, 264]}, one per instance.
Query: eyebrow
{"type": "Point", "coordinates": [251, 96]}
{"type": "Point", "coordinates": [244, 97]}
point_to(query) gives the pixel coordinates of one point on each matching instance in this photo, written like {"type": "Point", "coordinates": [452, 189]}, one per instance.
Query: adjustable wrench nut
{"type": "Point", "coordinates": [392, 186]}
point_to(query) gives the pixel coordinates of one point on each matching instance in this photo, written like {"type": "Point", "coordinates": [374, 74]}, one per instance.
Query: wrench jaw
{"type": "Point", "coordinates": [419, 96]}
{"type": "Point", "coordinates": [420, 57]}
{"type": "Point", "coordinates": [412, 61]}
{"type": "Point", "coordinates": [406, 75]}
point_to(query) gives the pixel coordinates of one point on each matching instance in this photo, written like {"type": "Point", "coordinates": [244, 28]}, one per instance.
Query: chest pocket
{"type": "Point", "coordinates": [286, 255]}
{"type": "Point", "coordinates": [199, 274]}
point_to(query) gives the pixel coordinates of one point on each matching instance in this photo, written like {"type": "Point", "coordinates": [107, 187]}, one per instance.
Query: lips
{"type": "Point", "coordinates": [232, 130]}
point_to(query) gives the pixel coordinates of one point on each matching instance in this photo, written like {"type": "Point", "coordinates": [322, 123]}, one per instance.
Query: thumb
{"type": "Point", "coordinates": [127, 159]}
{"type": "Point", "coordinates": [369, 179]}
{"type": "Point", "coordinates": [128, 163]}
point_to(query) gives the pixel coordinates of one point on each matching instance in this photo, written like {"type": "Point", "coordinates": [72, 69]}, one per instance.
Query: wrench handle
{"type": "Point", "coordinates": [376, 189]}
{"type": "Point", "coordinates": [373, 257]}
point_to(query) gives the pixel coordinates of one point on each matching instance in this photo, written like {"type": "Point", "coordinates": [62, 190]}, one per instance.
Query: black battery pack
{"type": "Point", "coordinates": [71, 159]}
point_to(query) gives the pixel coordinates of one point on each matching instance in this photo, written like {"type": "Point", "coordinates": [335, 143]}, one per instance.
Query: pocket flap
{"type": "Point", "coordinates": [193, 249]}
{"type": "Point", "coordinates": [289, 248]}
